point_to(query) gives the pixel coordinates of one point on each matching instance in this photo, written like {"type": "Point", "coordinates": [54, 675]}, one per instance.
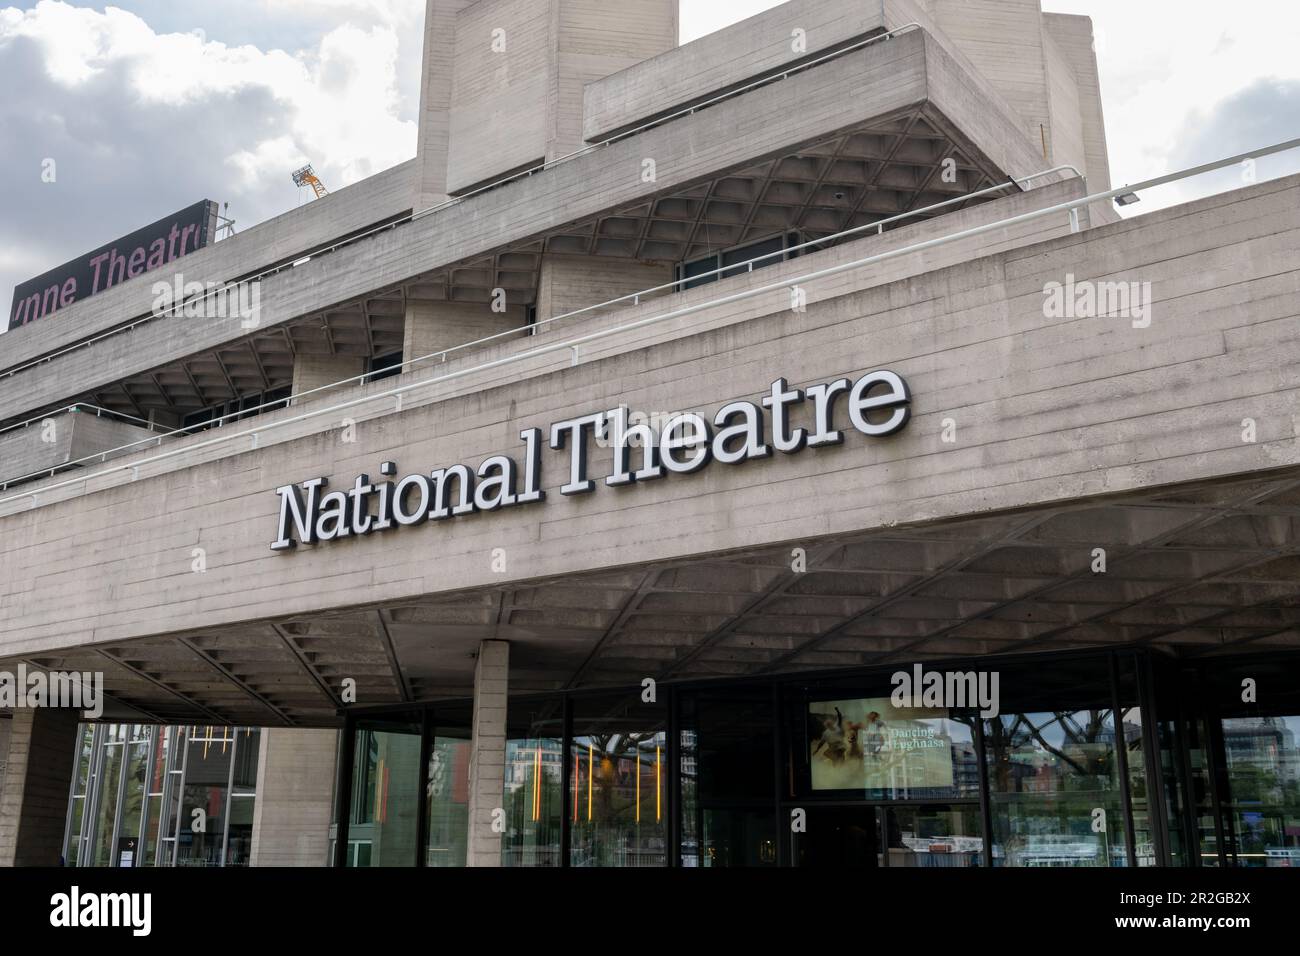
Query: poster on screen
{"type": "Point", "coordinates": [867, 743]}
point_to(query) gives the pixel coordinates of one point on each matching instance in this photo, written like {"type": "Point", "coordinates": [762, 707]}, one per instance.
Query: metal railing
{"type": "Point", "coordinates": [328, 247]}
{"type": "Point", "coordinates": [632, 297]}
{"type": "Point", "coordinates": [572, 345]}
{"type": "Point", "coordinates": [77, 407]}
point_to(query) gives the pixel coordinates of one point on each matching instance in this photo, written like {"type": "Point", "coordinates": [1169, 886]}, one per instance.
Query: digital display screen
{"type": "Point", "coordinates": [144, 250]}
{"type": "Point", "coordinates": [869, 744]}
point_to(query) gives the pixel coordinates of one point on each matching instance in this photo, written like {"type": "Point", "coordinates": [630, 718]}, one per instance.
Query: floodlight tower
{"type": "Point", "coordinates": [307, 177]}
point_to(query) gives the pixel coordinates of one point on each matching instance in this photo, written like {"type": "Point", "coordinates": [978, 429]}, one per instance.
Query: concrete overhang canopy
{"type": "Point", "coordinates": [1197, 570]}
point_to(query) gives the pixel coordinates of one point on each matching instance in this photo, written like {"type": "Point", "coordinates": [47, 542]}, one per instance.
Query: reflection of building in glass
{"type": "Point", "coordinates": [1264, 745]}
{"type": "Point", "coordinates": [162, 796]}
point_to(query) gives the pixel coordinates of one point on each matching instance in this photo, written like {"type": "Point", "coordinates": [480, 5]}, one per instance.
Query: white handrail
{"type": "Point", "coordinates": [225, 287]}
{"type": "Point", "coordinates": [515, 333]}
{"type": "Point", "coordinates": [74, 407]}
{"type": "Point", "coordinates": [573, 343]}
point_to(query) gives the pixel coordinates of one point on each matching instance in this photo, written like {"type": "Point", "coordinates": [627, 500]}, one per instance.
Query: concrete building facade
{"type": "Point", "coordinates": [670, 403]}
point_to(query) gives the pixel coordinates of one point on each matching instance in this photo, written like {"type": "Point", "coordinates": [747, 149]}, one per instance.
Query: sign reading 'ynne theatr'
{"type": "Point", "coordinates": [878, 404]}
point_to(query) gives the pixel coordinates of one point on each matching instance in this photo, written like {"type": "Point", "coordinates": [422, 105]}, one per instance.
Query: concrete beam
{"type": "Point", "coordinates": [757, 46]}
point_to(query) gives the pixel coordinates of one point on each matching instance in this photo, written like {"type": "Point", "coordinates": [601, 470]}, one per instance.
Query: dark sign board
{"type": "Point", "coordinates": [142, 251]}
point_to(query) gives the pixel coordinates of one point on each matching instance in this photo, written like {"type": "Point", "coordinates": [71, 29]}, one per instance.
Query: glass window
{"type": "Point", "coordinates": [1262, 763]}
{"type": "Point", "coordinates": [107, 783]}
{"type": "Point", "coordinates": [700, 267]}
{"type": "Point", "coordinates": [204, 797]}
{"type": "Point", "coordinates": [734, 836]}
{"type": "Point", "coordinates": [765, 248]}
{"type": "Point", "coordinates": [618, 785]}
{"type": "Point", "coordinates": [153, 802]}
{"type": "Point", "coordinates": [696, 272]}
{"type": "Point", "coordinates": [447, 788]}
{"type": "Point", "coordinates": [127, 852]}
{"type": "Point", "coordinates": [385, 792]}
{"type": "Point", "coordinates": [934, 835]}
{"type": "Point", "coordinates": [1055, 785]}
{"type": "Point", "coordinates": [76, 811]}
{"type": "Point", "coordinates": [534, 782]}
{"type": "Point", "coordinates": [728, 777]}
{"type": "Point", "coordinates": [839, 837]}
{"type": "Point", "coordinates": [243, 795]}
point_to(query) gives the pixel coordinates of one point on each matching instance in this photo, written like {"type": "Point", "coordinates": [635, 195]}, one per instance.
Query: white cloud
{"type": "Point", "coordinates": [141, 122]}
{"type": "Point", "coordinates": [1166, 66]}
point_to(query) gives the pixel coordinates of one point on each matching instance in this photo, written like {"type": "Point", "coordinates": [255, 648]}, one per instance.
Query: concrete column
{"type": "Point", "coordinates": [487, 761]}
{"type": "Point", "coordinates": [314, 371]}
{"type": "Point", "coordinates": [37, 779]}
{"type": "Point", "coordinates": [569, 283]}
{"type": "Point", "coordinates": [295, 797]}
{"type": "Point", "coordinates": [430, 186]}
{"type": "Point", "coordinates": [432, 326]}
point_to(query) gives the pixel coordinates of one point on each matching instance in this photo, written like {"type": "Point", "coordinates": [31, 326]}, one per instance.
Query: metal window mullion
{"type": "Point", "coordinates": [180, 798]}
{"type": "Point", "coordinates": [1187, 789]}
{"type": "Point", "coordinates": [89, 823]}
{"type": "Point", "coordinates": [778, 765]}
{"type": "Point", "coordinates": [72, 793]}
{"type": "Point", "coordinates": [566, 763]}
{"type": "Point", "coordinates": [1157, 809]}
{"type": "Point", "coordinates": [1220, 787]}
{"type": "Point", "coordinates": [674, 783]}
{"type": "Point", "coordinates": [230, 794]}
{"type": "Point", "coordinates": [164, 794]}
{"type": "Point", "coordinates": [346, 772]}
{"type": "Point", "coordinates": [422, 807]}
{"type": "Point", "coordinates": [121, 791]}
{"type": "Point", "coordinates": [1121, 755]}
{"type": "Point", "coordinates": [986, 793]}
{"type": "Point", "coordinates": [137, 860]}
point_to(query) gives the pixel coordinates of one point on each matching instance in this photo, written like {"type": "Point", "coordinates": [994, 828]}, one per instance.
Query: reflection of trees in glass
{"type": "Point", "coordinates": [616, 758]}
{"type": "Point", "coordinates": [619, 806]}
{"type": "Point", "coordinates": [1049, 773]}
{"type": "Point", "coordinates": [1085, 750]}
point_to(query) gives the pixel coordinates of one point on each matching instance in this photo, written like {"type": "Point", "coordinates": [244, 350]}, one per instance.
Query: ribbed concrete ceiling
{"type": "Point", "coordinates": [1194, 570]}
{"type": "Point", "coordinates": [877, 170]}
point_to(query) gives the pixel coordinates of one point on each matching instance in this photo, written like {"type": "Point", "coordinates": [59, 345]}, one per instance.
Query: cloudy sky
{"type": "Point", "coordinates": [148, 105]}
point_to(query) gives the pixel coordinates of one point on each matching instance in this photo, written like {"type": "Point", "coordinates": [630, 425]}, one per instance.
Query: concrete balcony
{"type": "Point", "coordinates": [72, 435]}
{"type": "Point", "coordinates": [760, 46]}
